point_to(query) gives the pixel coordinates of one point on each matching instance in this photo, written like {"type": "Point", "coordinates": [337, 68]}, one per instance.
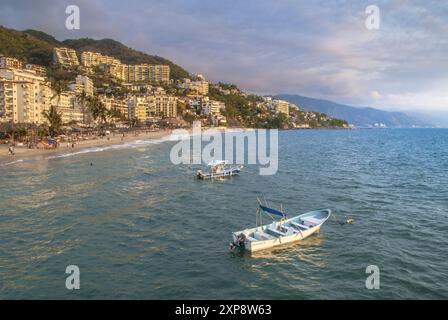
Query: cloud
{"type": "Point", "coordinates": [318, 48]}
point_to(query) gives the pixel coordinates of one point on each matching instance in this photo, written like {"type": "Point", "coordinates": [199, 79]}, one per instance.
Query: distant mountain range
{"type": "Point", "coordinates": [358, 116]}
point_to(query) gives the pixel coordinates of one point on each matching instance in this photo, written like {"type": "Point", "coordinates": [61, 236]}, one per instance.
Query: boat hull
{"type": "Point", "coordinates": [224, 174]}
{"type": "Point", "coordinates": [251, 244]}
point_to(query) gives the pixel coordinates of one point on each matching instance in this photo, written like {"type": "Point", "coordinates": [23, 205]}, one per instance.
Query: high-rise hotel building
{"type": "Point", "coordinates": [24, 95]}
{"type": "Point", "coordinates": [65, 57]}
{"type": "Point", "coordinates": [140, 73]}
{"type": "Point", "coordinates": [82, 84]}
{"type": "Point", "coordinates": [148, 73]}
{"type": "Point", "coordinates": [125, 72]}
{"type": "Point", "coordinates": [90, 59]}
{"type": "Point", "coordinates": [7, 62]}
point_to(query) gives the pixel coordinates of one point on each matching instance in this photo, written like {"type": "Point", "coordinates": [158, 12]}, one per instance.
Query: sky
{"type": "Point", "coordinates": [320, 49]}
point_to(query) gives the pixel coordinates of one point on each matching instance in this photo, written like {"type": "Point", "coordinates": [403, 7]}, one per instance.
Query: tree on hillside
{"type": "Point", "coordinates": [281, 121]}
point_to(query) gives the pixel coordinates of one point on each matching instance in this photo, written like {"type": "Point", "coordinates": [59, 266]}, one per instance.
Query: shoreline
{"type": "Point", "coordinates": [23, 154]}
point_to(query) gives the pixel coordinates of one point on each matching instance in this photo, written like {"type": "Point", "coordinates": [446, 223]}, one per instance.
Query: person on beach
{"type": "Point", "coordinates": [11, 150]}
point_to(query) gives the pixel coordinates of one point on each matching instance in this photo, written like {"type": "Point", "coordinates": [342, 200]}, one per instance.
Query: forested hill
{"type": "Point", "coordinates": [36, 47]}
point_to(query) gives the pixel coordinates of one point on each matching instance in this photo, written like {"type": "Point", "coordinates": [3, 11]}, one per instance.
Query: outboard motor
{"type": "Point", "coordinates": [241, 239]}
{"type": "Point", "coordinates": [239, 242]}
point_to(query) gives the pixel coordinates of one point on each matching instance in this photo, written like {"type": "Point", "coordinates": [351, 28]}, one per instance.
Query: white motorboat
{"type": "Point", "coordinates": [219, 169]}
{"type": "Point", "coordinates": [281, 231]}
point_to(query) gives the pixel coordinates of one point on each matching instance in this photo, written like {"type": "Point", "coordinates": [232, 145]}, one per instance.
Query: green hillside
{"type": "Point", "coordinates": [36, 47]}
{"type": "Point", "coordinates": [43, 36]}
{"type": "Point", "coordinates": [25, 46]}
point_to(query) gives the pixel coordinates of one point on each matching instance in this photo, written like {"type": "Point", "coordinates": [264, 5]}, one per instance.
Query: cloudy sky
{"type": "Point", "coordinates": [320, 49]}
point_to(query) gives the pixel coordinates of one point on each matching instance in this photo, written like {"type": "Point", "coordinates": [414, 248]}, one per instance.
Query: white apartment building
{"type": "Point", "coordinates": [199, 86]}
{"type": "Point", "coordinates": [65, 57]}
{"type": "Point", "coordinates": [119, 71]}
{"type": "Point", "coordinates": [281, 106]}
{"type": "Point", "coordinates": [13, 63]}
{"type": "Point", "coordinates": [41, 71]}
{"type": "Point", "coordinates": [195, 104]}
{"type": "Point", "coordinates": [7, 62]}
{"type": "Point", "coordinates": [23, 96]}
{"type": "Point", "coordinates": [115, 103]}
{"type": "Point", "coordinates": [82, 84]}
{"type": "Point", "coordinates": [90, 59]}
{"type": "Point", "coordinates": [211, 107]}
{"type": "Point", "coordinates": [277, 105]}
{"type": "Point", "coordinates": [137, 87]}
{"type": "Point", "coordinates": [141, 108]}
{"type": "Point", "coordinates": [154, 105]}
{"type": "Point", "coordinates": [65, 104]}
{"type": "Point", "coordinates": [218, 120]}
{"type": "Point", "coordinates": [143, 73]}
{"type": "Point", "coordinates": [165, 106]}
{"type": "Point", "coordinates": [148, 73]}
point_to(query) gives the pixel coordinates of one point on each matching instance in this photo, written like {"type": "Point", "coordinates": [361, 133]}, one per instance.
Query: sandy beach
{"type": "Point", "coordinates": [23, 153]}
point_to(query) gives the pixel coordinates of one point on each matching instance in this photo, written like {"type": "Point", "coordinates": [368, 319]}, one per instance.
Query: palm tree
{"type": "Point", "coordinates": [59, 87]}
{"type": "Point", "coordinates": [82, 99]}
{"type": "Point", "coordinates": [114, 113]}
{"type": "Point", "coordinates": [54, 119]}
{"type": "Point", "coordinates": [97, 109]}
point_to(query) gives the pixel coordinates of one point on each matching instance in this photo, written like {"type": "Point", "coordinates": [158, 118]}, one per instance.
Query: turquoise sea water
{"type": "Point", "coordinates": [140, 227]}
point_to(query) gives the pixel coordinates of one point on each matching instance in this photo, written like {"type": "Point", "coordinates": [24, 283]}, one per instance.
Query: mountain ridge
{"type": "Point", "coordinates": [358, 116]}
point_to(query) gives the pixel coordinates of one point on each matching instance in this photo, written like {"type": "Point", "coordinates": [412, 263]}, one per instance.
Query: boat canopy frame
{"type": "Point", "coordinates": [266, 208]}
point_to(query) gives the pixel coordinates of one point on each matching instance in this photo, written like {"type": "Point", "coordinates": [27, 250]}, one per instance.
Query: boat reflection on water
{"type": "Point", "coordinates": [309, 250]}
{"type": "Point", "coordinates": [297, 266]}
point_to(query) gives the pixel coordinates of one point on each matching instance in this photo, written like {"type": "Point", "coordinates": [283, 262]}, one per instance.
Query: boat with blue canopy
{"type": "Point", "coordinates": [281, 231]}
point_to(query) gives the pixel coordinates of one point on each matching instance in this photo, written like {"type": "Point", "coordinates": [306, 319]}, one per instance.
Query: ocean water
{"type": "Point", "coordinates": [140, 227]}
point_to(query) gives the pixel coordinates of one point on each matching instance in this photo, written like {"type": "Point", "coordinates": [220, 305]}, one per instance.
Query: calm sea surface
{"type": "Point", "coordinates": [140, 227]}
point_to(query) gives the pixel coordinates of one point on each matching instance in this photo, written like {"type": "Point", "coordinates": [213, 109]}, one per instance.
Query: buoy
{"type": "Point", "coordinates": [348, 221]}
